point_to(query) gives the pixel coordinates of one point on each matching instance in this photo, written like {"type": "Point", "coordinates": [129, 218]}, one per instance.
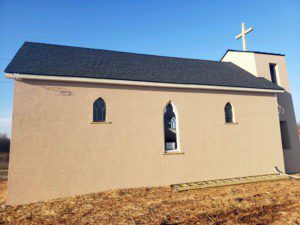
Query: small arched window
{"type": "Point", "coordinates": [99, 110]}
{"type": "Point", "coordinates": [228, 113]}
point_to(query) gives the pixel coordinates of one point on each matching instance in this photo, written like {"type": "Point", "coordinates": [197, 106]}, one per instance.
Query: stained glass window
{"type": "Point", "coordinates": [228, 113]}
{"type": "Point", "coordinates": [99, 112]}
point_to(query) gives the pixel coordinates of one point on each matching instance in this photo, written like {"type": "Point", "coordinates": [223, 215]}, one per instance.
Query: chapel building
{"type": "Point", "coordinates": [88, 120]}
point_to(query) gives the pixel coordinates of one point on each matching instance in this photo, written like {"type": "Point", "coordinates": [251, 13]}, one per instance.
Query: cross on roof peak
{"type": "Point", "coordinates": [243, 35]}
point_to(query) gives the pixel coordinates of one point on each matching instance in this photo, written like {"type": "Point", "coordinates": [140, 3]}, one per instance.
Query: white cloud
{"type": "Point", "coordinates": [5, 125]}
{"type": "Point", "coordinates": [5, 120]}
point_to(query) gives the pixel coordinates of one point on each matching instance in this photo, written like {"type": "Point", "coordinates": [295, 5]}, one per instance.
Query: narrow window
{"type": "Point", "coordinates": [228, 113]}
{"type": "Point", "coordinates": [273, 73]}
{"type": "Point", "coordinates": [285, 135]}
{"type": "Point", "coordinates": [99, 110]}
{"type": "Point", "coordinates": [170, 128]}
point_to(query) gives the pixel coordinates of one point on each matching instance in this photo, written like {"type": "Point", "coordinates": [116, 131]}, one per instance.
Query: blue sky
{"type": "Point", "coordinates": [195, 29]}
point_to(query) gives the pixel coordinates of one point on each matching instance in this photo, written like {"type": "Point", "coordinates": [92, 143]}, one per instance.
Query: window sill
{"type": "Point", "coordinates": [173, 153]}
{"type": "Point", "coordinates": [101, 122]}
{"type": "Point", "coordinates": [231, 123]}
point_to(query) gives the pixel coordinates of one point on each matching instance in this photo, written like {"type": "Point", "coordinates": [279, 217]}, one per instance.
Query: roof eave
{"type": "Point", "coordinates": [17, 77]}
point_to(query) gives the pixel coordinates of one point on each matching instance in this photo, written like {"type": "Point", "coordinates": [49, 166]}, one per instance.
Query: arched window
{"type": "Point", "coordinates": [228, 113]}
{"type": "Point", "coordinates": [170, 128]}
{"type": "Point", "coordinates": [99, 110]}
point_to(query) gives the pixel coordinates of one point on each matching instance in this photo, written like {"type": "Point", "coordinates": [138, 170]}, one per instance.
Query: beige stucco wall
{"type": "Point", "coordinates": [262, 62]}
{"type": "Point", "coordinates": [57, 152]}
{"type": "Point", "coordinates": [291, 156]}
{"type": "Point", "coordinates": [258, 64]}
{"type": "Point", "coordinates": [245, 60]}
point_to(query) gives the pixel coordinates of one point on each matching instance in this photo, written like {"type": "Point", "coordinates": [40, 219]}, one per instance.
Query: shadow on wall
{"type": "Point", "coordinates": [4, 143]}
{"type": "Point", "coordinates": [59, 90]}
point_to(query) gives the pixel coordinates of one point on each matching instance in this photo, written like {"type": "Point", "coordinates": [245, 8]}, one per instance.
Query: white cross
{"type": "Point", "coordinates": [243, 35]}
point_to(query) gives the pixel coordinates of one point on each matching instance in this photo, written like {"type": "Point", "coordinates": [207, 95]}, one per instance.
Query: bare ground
{"type": "Point", "coordinates": [276, 202]}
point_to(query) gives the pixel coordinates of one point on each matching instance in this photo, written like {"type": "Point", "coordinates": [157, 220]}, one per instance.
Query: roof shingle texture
{"type": "Point", "coordinates": [65, 61]}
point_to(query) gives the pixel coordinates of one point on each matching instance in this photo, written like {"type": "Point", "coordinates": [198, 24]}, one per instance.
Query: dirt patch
{"type": "Point", "coordinates": [4, 158]}
{"type": "Point", "coordinates": [3, 191]}
{"type": "Point", "coordinates": [276, 202]}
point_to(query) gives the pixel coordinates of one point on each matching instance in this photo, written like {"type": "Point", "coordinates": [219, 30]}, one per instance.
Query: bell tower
{"type": "Point", "coordinates": [273, 68]}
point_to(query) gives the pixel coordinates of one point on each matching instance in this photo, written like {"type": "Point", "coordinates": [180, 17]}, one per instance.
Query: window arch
{"type": "Point", "coordinates": [171, 128]}
{"type": "Point", "coordinates": [99, 110]}
{"type": "Point", "coordinates": [228, 113]}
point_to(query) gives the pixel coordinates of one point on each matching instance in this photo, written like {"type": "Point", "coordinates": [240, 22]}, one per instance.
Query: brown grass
{"type": "Point", "coordinates": [275, 202]}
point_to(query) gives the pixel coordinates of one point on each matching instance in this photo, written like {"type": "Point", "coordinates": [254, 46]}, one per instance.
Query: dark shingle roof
{"type": "Point", "coordinates": [65, 61]}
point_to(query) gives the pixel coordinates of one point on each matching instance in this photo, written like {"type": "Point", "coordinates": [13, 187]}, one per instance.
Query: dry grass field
{"type": "Point", "coordinates": [276, 202]}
